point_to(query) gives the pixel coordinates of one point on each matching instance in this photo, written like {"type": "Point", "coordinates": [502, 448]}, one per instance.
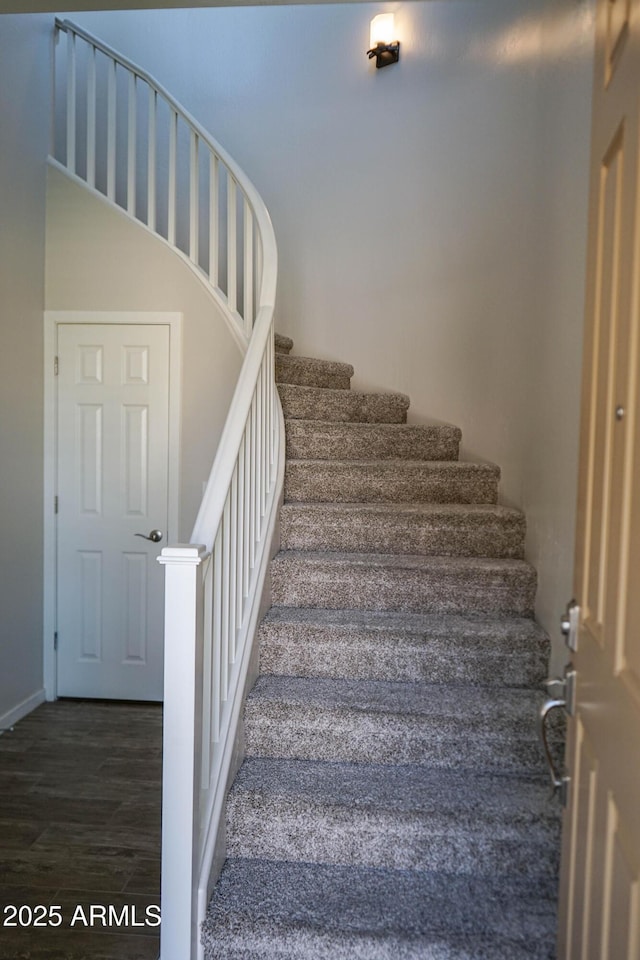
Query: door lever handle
{"type": "Point", "coordinates": [546, 708]}
{"type": "Point", "coordinates": [561, 692]}
{"type": "Point", "coordinates": [155, 536]}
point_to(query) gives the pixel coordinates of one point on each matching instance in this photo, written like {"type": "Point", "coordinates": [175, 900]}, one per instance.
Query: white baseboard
{"type": "Point", "coordinates": [21, 710]}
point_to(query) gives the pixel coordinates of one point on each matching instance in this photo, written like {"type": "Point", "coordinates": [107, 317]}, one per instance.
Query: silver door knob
{"type": "Point", "coordinates": [155, 536]}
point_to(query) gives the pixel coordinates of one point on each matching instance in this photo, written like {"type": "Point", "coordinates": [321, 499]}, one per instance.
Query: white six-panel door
{"type": "Point", "coordinates": [112, 483]}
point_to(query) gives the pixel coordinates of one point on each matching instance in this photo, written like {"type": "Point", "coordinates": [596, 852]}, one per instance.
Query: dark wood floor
{"type": "Point", "coordinates": [80, 826]}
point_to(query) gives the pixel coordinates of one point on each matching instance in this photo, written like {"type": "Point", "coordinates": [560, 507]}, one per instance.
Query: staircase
{"type": "Point", "coordinates": [392, 803]}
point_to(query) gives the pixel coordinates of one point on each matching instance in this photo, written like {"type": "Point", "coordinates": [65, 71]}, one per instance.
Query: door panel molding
{"type": "Point", "coordinates": [52, 318]}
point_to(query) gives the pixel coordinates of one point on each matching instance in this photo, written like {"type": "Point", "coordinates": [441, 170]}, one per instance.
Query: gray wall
{"type": "Point", "coordinates": [24, 128]}
{"type": "Point", "coordinates": [431, 217]}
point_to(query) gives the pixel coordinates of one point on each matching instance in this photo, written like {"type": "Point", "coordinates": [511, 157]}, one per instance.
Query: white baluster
{"type": "Point", "coordinates": [91, 117]}
{"type": "Point", "coordinates": [194, 201]}
{"type": "Point", "coordinates": [247, 304]}
{"type": "Point", "coordinates": [173, 149]}
{"type": "Point", "coordinates": [71, 102]}
{"type": "Point", "coordinates": [264, 451]}
{"type": "Point", "coordinates": [254, 483]}
{"type": "Point", "coordinates": [272, 397]}
{"type": "Point", "coordinates": [240, 538]}
{"type": "Point", "coordinates": [247, 506]}
{"type": "Point", "coordinates": [259, 265]}
{"type": "Point", "coordinates": [232, 243]}
{"type": "Point", "coordinates": [53, 82]}
{"type": "Point", "coordinates": [151, 159]}
{"type": "Point", "coordinates": [233, 565]}
{"type": "Point", "coordinates": [216, 699]}
{"type": "Point", "coordinates": [226, 563]}
{"type": "Point", "coordinates": [259, 464]}
{"type": "Point", "coordinates": [214, 193]}
{"type": "Point", "coordinates": [131, 146]}
{"type": "Point", "coordinates": [111, 129]}
{"type": "Point", "coordinates": [207, 677]}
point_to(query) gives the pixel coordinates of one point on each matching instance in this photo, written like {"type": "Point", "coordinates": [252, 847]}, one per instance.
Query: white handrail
{"type": "Point", "coordinates": [213, 586]}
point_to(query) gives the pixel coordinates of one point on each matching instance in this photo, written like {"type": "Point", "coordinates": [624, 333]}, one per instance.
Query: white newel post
{"type": "Point", "coordinates": [182, 726]}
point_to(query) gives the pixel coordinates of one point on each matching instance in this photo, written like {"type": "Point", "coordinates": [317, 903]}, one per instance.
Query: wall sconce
{"type": "Point", "coordinates": [384, 48]}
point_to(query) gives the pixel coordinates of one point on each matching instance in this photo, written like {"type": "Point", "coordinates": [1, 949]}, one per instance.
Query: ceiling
{"type": "Point", "coordinates": [50, 6]}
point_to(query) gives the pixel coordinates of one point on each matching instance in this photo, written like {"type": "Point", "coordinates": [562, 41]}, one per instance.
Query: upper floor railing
{"type": "Point", "coordinates": [120, 132]}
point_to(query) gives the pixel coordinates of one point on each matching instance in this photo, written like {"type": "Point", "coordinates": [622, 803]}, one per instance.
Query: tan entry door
{"type": "Point", "coordinates": [600, 882]}
{"type": "Point", "coordinates": [112, 482]}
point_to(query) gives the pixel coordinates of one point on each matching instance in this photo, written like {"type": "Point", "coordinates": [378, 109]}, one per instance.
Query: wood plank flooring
{"type": "Point", "coordinates": [80, 791]}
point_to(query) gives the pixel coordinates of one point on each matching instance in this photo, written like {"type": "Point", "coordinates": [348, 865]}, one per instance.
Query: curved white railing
{"type": "Point", "coordinates": [167, 173]}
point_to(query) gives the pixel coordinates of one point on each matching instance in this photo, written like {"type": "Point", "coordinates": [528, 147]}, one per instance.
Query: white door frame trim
{"type": "Point", "coordinates": [51, 320]}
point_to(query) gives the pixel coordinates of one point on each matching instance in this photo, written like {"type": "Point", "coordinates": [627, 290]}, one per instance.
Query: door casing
{"type": "Point", "coordinates": [51, 320]}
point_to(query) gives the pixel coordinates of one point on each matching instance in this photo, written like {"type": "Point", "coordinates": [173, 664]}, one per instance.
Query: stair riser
{"type": "Point", "coordinates": [307, 373]}
{"type": "Point", "coordinates": [360, 737]}
{"type": "Point", "coordinates": [315, 481]}
{"type": "Point", "coordinates": [299, 584]}
{"type": "Point", "coordinates": [324, 441]}
{"type": "Point", "coordinates": [375, 659]}
{"type": "Point", "coordinates": [344, 406]}
{"type": "Point", "coordinates": [285, 829]}
{"type": "Point", "coordinates": [401, 534]}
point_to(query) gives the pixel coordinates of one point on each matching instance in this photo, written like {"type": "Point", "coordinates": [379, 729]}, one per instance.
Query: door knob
{"type": "Point", "coordinates": [155, 536]}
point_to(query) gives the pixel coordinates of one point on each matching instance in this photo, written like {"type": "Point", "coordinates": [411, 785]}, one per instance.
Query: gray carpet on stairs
{"type": "Point", "coordinates": [393, 803]}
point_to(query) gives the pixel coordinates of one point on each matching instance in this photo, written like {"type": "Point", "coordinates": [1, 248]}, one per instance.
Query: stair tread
{"type": "Point", "coordinates": [419, 583]}
{"type": "Point", "coordinates": [336, 365]}
{"type": "Point", "coordinates": [398, 464]}
{"type": "Point", "coordinates": [418, 527]}
{"type": "Point", "coordinates": [467, 512]}
{"type": "Point", "coordinates": [405, 561]}
{"type": "Point", "coordinates": [405, 816]}
{"type": "Point", "coordinates": [318, 910]}
{"type": "Point", "coordinates": [320, 392]}
{"type": "Point", "coordinates": [445, 795]}
{"type": "Point", "coordinates": [386, 645]}
{"type": "Point", "coordinates": [330, 439]}
{"type": "Point", "coordinates": [342, 406]}
{"type": "Point", "coordinates": [390, 481]}
{"type": "Point", "coordinates": [473, 704]}
{"type": "Point", "coordinates": [419, 625]}
{"type": "Point", "coordinates": [355, 426]}
{"type": "Point", "coordinates": [309, 371]}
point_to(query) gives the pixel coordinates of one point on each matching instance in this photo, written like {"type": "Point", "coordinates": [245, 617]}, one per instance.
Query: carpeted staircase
{"type": "Point", "coordinates": [393, 801]}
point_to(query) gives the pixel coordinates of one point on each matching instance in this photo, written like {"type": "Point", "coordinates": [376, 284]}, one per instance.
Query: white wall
{"type": "Point", "coordinates": [24, 122]}
{"type": "Point", "coordinates": [97, 259]}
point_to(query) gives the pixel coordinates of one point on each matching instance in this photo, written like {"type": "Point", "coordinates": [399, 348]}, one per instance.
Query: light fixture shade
{"type": "Point", "coordinates": [382, 29]}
